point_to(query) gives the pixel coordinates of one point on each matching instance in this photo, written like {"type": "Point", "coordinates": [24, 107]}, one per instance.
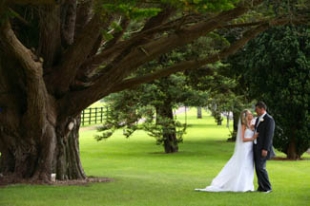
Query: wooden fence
{"type": "Point", "coordinates": [93, 115]}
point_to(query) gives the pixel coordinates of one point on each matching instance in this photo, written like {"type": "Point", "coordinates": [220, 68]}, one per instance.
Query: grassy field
{"type": "Point", "coordinates": [142, 175]}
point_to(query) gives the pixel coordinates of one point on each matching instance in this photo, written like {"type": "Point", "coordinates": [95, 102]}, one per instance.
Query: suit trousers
{"type": "Point", "coordinates": [261, 172]}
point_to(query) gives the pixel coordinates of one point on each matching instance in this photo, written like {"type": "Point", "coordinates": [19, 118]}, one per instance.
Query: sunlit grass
{"type": "Point", "coordinates": [142, 175]}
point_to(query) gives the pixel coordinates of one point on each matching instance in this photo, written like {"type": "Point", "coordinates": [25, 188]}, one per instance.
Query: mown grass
{"type": "Point", "coordinates": [142, 175]}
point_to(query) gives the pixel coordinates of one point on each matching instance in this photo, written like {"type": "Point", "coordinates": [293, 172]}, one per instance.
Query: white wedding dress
{"type": "Point", "coordinates": [238, 173]}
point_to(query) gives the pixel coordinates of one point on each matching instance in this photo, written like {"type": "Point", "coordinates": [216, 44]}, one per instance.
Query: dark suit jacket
{"type": "Point", "coordinates": [265, 131]}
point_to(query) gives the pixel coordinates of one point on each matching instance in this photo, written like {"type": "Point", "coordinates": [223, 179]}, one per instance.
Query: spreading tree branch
{"type": "Point", "coordinates": [150, 50]}
{"type": "Point", "coordinates": [143, 42]}
{"type": "Point", "coordinates": [50, 42]}
{"type": "Point", "coordinates": [83, 15]}
{"type": "Point", "coordinates": [146, 52]}
{"type": "Point", "coordinates": [192, 64]}
{"type": "Point", "coordinates": [35, 116]}
{"type": "Point", "coordinates": [68, 12]}
{"type": "Point", "coordinates": [195, 64]}
{"type": "Point", "coordinates": [117, 51]}
{"type": "Point", "coordinates": [74, 57]}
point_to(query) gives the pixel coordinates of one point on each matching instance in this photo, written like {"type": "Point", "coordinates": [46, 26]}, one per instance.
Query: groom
{"type": "Point", "coordinates": [263, 150]}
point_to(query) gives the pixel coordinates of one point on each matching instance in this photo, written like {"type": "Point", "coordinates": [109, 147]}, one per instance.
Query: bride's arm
{"type": "Point", "coordinates": [243, 127]}
{"type": "Point", "coordinates": [247, 139]}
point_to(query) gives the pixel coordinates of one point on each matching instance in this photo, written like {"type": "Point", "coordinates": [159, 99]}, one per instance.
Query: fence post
{"type": "Point", "coordinates": [96, 115]}
{"type": "Point", "coordinates": [87, 115]}
{"type": "Point", "coordinates": [83, 118]}
{"type": "Point", "coordinates": [101, 114]}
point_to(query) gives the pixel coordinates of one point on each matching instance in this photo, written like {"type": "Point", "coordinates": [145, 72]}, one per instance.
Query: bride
{"type": "Point", "coordinates": [238, 173]}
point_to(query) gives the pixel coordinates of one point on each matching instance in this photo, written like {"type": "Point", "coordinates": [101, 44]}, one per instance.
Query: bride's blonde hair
{"type": "Point", "coordinates": [243, 116]}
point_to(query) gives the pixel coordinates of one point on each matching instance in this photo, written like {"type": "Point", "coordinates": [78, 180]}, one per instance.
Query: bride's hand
{"type": "Point", "coordinates": [255, 136]}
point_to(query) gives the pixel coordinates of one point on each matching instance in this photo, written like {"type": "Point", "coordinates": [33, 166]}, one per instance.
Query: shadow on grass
{"type": "Point", "coordinates": [292, 160]}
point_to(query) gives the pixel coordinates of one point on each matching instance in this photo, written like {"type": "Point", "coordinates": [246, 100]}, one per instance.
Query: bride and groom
{"type": "Point", "coordinates": [253, 147]}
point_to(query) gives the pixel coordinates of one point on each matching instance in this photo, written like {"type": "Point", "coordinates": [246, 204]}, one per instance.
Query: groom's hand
{"type": "Point", "coordinates": [264, 153]}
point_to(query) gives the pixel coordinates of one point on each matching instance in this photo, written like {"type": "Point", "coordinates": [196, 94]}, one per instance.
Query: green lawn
{"type": "Point", "coordinates": [143, 176]}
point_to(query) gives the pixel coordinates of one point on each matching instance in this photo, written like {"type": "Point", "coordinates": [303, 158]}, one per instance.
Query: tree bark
{"type": "Point", "coordinates": [30, 121]}
{"type": "Point", "coordinates": [170, 141]}
{"type": "Point", "coordinates": [291, 152]}
{"type": "Point", "coordinates": [68, 164]}
{"type": "Point", "coordinates": [199, 113]}
{"type": "Point", "coordinates": [33, 160]}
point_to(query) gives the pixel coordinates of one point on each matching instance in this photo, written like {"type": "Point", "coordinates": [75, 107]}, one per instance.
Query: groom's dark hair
{"type": "Point", "coordinates": [261, 104]}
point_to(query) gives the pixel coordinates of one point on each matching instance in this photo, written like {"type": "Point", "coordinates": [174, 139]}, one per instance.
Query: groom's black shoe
{"type": "Point", "coordinates": [263, 191]}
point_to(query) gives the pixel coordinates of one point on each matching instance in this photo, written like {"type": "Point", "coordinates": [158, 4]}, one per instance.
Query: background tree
{"type": "Point", "coordinates": [192, 88]}
{"type": "Point", "coordinates": [58, 57]}
{"type": "Point", "coordinates": [149, 107]}
{"type": "Point", "coordinates": [161, 97]}
{"type": "Point", "coordinates": [278, 72]}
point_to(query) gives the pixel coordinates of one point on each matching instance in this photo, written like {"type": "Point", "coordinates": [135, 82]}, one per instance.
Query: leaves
{"type": "Point", "coordinates": [280, 65]}
{"type": "Point", "coordinates": [208, 6]}
{"type": "Point", "coordinates": [129, 9]}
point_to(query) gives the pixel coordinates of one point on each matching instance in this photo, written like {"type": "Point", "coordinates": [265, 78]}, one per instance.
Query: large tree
{"type": "Point", "coordinates": [155, 101]}
{"type": "Point", "coordinates": [279, 73]}
{"type": "Point", "coordinates": [149, 107]}
{"type": "Point", "coordinates": [58, 57]}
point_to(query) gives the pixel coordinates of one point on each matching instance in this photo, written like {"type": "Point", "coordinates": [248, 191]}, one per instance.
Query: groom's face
{"type": "Point", "coordinates": [259, 111]}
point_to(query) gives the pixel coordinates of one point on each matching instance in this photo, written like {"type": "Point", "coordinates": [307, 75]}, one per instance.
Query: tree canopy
{"type": "Point", "coordinates": [279, 73]}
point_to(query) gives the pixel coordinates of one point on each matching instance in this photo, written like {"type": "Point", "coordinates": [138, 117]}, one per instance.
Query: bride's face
{"type": "Point", "coordinates": [250, 116]}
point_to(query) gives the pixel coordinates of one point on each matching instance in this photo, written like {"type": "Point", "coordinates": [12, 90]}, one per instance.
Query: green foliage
{"type": "Point", "coordinates": [217, 116]}
{"type": "Point", "coordinates": [122, 113]}
{"type": "Point", "coordinates": [135, 109]}
{"type": "Point", "coordinates": [208, 6]}
{"type": "Point", "coordinates": [288, 7]}
{"type": "Point", "coordinates": [163, 127]}
{"type": "Point", "coordinates": [128, 8]}
{"type": "Point", "coordinates": [134, 9]}
{"type": "Point", "coordinates": [279, 74]}
{"type": "Point", "coordinates": [128, 107]}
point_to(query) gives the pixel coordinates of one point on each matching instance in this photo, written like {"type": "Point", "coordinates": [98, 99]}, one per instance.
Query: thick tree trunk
{"type": "Point", "coordinates": [170, 143]}
{"type": "Point", "coordinates": [199, 113]}
{"type": "Point", "coordinates": [235, 126]}
{"type": "Point", "coordinates": [37, 136]}
{"type": "Point", "coordinates": [169, 131]}
{"type": "Point", "coordinates": [30, 153]}
{"type": "Point", "coordinates": [68, 164]}
{"type": "Point", "coordinates": [291, 151]}
{"type": "Point", "coordinates": [32, 160]}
